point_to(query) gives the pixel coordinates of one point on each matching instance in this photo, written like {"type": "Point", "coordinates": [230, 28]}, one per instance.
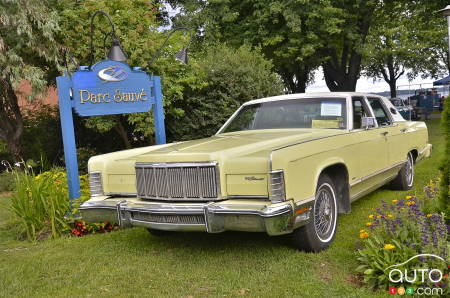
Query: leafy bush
{"type": "Point", "coordinates": [6, 181]}
{"type": "Point", "coordinates": [41, 203]}
{"type": "Point", "coordinates": [445, 168]}
{"type": "Point", "coordinates": [396, 232]}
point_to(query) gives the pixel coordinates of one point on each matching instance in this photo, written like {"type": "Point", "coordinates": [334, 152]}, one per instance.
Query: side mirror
{"type": "Point", "coordinates": [367, 122]}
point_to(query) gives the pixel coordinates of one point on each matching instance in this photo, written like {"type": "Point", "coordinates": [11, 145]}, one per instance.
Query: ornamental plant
{"type": "Point", "coordinates": [40, 204]}
{"type": "Point", "coordinates": [396, 232]}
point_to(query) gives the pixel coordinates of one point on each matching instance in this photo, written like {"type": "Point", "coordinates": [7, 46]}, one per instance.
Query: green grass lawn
{"type": "Point", "coordinates": [131, 262]}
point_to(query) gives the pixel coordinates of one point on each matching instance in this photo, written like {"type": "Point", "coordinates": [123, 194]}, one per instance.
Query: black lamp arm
{"type": "Point", "coordinates": [158, 52]}
{"type": "Point", "coordinates": [113, 33]}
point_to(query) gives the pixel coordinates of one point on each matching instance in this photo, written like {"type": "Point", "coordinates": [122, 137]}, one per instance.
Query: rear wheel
{"type": "Point", "coordinates": [321, 230]}
{"type": "Point", "coordinates": [405, 177]}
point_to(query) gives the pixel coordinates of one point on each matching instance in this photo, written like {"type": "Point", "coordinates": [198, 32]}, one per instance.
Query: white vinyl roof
{"type": "Point", "coordinates": [308, 95]}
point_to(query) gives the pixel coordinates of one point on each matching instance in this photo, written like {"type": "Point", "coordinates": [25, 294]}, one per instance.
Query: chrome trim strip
{"type": "Point", "coordinates": [177, 164]}
{"type": "Point", "coordinates": [245, 197]}
{"type": "Point", "coordinates": [369, 190]}
{"type": "Point", "coordinates": [120, 194]}
{"type": "Point", "coordinates": [299, 203]}
{"type": "Point", "coordinates": [376, 173]}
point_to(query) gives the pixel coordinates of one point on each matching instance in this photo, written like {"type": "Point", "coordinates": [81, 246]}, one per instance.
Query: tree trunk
{"type": "Point", "coordinates": [393, 87]}
{"type": "Point", "coordinates": [392, 74]}
{"type": "Point", "coordinates": [342, 69]}
{"type": "Point", "coordinates": [11, 121]}
{"type": "Point", "coordinates": [120, 129]}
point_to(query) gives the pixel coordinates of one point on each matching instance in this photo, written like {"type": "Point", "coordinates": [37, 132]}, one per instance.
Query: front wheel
{"type": "Point", "coordinates": [405, 177]}
{"type": "Point", "coordinates": [320, 231]}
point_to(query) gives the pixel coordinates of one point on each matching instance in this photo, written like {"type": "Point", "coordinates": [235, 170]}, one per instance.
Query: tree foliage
{"type": "Point", "coordinates": [225, 79]}
{"type": "Point", "coordinates": [136, 24]}
{"type": "Point", "coordinates": [288, 32]}
{"type": "Point", "coordinates": [406, 38]}
{"type": "Point", "coordinates": [28, 51]}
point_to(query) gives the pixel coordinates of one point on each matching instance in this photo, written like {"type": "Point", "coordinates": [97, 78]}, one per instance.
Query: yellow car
{"type": "Point", "coordinates": [280, 165]}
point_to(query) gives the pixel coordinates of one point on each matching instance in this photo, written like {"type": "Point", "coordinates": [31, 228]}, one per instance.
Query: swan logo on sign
{"type": "Point", "coordinates": [113, 73]}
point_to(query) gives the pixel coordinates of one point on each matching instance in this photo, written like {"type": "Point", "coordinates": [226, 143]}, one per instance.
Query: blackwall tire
{"type": "Point", "coordinates": [319, 233]}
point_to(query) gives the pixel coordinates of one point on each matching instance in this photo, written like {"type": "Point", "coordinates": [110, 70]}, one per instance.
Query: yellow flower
{"type": "Point", "coordinates": [389, 246]}
{"type": "Point", "coordinates": [371, 216]}
{"type": "Point", "coordinates": [408, 197]}
{"type": "Point", "coordinates": [394, 201]}
{"type": "Point", "coordinates": [363, 235]}
{"type": "Point", "coordinates": [409, 203]}
{"type": "Point", "coordinates": [362, 231]}
{"type": "Point", "coordinates": [369, 224]}
{"type": "Point", "coordinates": [390, 216]}
{"type": "Point", "coordinates": [429, 215]}
{"type": "Point", "coordinates": [412, 202]}
{"type": "Point", "coordinates": [379, 216]}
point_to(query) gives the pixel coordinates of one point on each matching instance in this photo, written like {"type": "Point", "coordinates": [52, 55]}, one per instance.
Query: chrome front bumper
{"type": "Point", "coordinates": [213, 217]}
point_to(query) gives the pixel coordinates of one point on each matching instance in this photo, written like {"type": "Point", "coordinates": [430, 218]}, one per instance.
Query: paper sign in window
{"type": "Point", "coordinates": [331, 109]}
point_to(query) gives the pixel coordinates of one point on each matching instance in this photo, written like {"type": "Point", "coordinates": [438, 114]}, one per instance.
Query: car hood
{"type": "Point", "coordinates": [236, 145]}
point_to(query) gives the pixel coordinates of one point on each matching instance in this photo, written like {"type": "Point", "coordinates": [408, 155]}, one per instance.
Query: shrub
{"type": "Point", "coordinates": [6, 181]}
{"type": "Point", "coordinates": [41, 203]}
{"type": "Point", "coordinates": [445, 168]}
{"type": "Point", "coordinates": [396, 232]}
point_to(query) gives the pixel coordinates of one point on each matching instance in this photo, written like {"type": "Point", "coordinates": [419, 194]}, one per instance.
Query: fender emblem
{"type": "Point", "coordinates": [253, 178]}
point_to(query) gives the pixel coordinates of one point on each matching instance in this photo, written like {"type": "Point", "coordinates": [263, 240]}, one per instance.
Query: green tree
{"type": "Point", "coordinates": [136, 24]}
{"type": "Point", "coordinates": [28, 51]}
{"type": "Point", "coordinates": [225, 78]}
{"type": "Point", "coordinates": [289, 33]}
{"type": "Point", "coordinates": [343, 51]}
{"type": "Point", "coordinates": [409, 44]}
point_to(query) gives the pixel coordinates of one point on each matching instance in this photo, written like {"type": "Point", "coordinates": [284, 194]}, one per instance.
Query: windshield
{"type": "Point", "coordinates": [295, 113]}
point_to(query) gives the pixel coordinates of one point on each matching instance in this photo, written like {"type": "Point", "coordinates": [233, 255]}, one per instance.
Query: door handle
{"type": "Point", "coordinates": [384, 133]}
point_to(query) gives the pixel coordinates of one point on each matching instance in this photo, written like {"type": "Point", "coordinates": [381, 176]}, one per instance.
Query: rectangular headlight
{"type": "Point", "coordinates": [95, 183]}
{"type": "Point", "coordinates": [276, 188]}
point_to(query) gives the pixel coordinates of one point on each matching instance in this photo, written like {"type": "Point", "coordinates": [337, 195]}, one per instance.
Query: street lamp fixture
{"type": "Point", "coordinates": [446, 12]}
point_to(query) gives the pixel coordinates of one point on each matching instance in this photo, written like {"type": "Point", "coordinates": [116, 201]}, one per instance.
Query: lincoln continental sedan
{"type": "Point", "coordinates": [287, 164]}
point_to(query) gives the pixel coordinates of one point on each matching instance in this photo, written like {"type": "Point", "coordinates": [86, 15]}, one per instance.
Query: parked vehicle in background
{"type": "Point", "coordinates": [287, 164]}
{"type": "Point", "coordinates": [405, 109]}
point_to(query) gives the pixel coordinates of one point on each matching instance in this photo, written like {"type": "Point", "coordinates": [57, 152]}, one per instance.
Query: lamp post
{"type": "Point", "coordinates": [446, 12]}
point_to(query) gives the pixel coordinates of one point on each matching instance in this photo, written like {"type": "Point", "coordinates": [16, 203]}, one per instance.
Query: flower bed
{"type": "Point", "coordinates": [397, 232]}
{"type": "Point", "coordinates": [41, 206]}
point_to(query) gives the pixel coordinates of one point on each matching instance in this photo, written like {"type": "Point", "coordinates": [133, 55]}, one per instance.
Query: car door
{"type": "Point", "coordinates": [394, 133]}
{"type": "Point", "coordinates": [370, 149]}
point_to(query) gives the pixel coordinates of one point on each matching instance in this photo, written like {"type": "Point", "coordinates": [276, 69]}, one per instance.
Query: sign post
{"type": "Point", "coordinates": [109, 87]}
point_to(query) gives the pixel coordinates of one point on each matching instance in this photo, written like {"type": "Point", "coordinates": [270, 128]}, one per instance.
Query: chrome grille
{"type": "Point", "coordinates": [169, 218]}
{"type": "Point", "coordinates": [177, 181]}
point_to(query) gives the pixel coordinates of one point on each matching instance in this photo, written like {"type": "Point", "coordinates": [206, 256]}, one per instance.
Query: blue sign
{"type": "Point", "coordinates": [110, 87]}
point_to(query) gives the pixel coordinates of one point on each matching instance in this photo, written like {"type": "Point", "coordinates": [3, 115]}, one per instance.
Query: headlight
{"type": "Point", "coordinates": [95, 183]}
{"type": "Point", "coordinates": [276, 187]}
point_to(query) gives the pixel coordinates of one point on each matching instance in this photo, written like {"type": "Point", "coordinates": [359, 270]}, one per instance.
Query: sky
{"type": "Point", "coordinates": [366, 84]}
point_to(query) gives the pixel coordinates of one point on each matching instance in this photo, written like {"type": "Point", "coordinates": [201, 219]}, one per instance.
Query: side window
{"type": "Point", "coordinates": [379, 111]}
{"type": "Point", "coordinates": [359, 111]}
